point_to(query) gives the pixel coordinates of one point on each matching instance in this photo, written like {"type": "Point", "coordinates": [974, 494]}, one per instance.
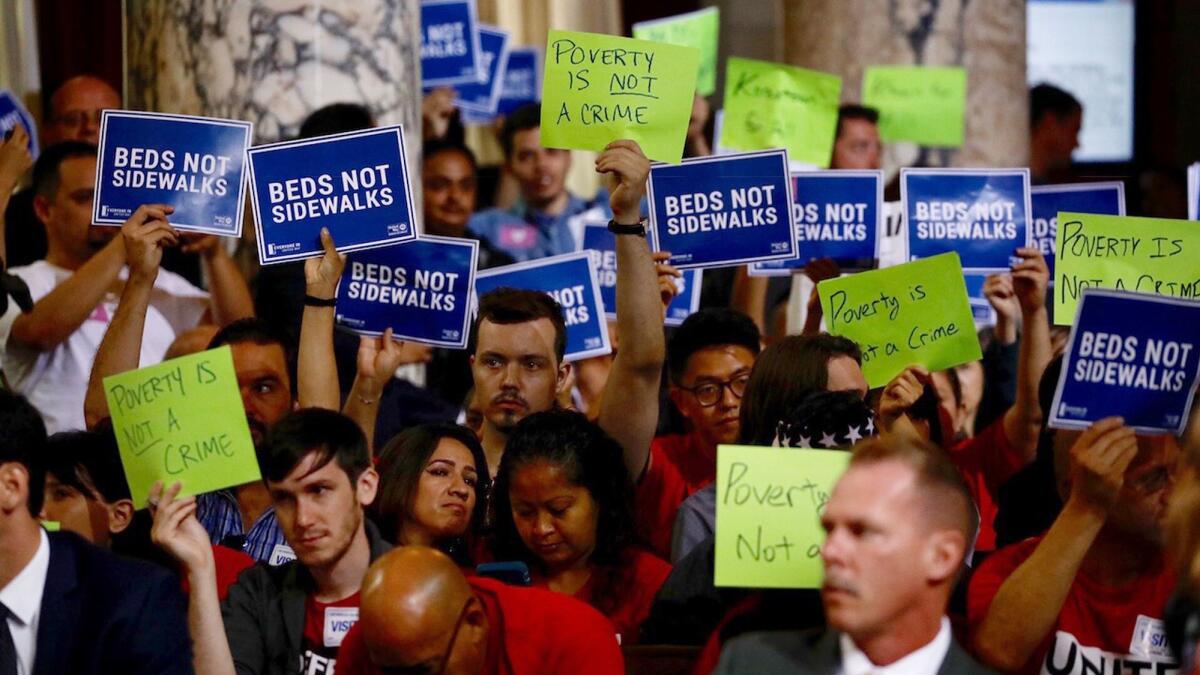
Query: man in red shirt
{"type": "Point", "coordinates": [420, 614]}
{"type": "Point", "coordinates": [1088, 596]}
{"type": "Point", "coordinates": [709, 359]}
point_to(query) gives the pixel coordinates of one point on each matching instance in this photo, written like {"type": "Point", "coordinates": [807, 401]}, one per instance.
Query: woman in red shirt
{"type": "Point", "coordinates": [433, 482]}
{"type": "Point", "coordinates": [562, 505]}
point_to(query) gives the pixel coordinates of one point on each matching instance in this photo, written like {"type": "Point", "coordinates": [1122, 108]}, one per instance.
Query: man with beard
{"type": "Point", "coordinates": [48, 352]}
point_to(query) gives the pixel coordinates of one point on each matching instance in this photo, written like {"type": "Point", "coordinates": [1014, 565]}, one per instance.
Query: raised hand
{"type": "Point", "coordinates": [144, 235]}
{"type": "Point", "coordinates": [1098, 459]}
{"type": "Point", "coordinates": [321, 275]}
{"type": "Point", "coordinates": [627, 168]}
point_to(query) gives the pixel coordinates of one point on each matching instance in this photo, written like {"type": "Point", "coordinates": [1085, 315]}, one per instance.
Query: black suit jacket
{"type": "Point", "coordinates": [105, 614]}
{"type": "Point", "coordinates": [812, 653]}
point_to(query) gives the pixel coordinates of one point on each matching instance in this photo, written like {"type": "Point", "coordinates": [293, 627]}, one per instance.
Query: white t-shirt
{"type": "Point", "coordinates": [55, 382]}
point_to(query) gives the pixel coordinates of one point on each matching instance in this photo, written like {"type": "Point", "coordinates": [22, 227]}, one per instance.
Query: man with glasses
{"type": "Point", "coordinates": [420, 615]}
{"type": "Point", "coordinates": [710, 359]}
{"type": "Point", "coordinates": [1088, 595]}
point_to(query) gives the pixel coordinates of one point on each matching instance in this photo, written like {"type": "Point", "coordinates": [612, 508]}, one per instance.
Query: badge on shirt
{"type": "Point", "coordinates": [338, 621]}
{"type": "Point", "coordinates": [518, 236]}
{"type": "Point", "coordinates": [281, 554]}
{"type": "Point", "coordinates": [1149, 638]}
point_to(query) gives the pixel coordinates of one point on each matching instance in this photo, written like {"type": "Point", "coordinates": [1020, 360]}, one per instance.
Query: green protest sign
{"type": "Point", "coordinates": [769, 503]}
{"type": "Point", "coordinates": [1147, 255]}
{"type": "Point", "coordinates": [916, 313]}
{"type": "Point", "coordinates": [921, 104]}
{"type": "Point", "coordinates": [598, 89]}
{"type": "Point", "coordinates": [51, 525]}
{"type": "Point", "coordinates": [182, 420]}
{"type": "Point", "coordinates": [697, 29]}
{"type": "Point", "coordinates": [769, 105]}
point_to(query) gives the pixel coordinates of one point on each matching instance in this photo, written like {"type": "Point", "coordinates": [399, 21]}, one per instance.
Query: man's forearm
{"type": "Point", "coordinates": [316, 376]}
{"type": "Point", "coordinates": [63, 310]}
{"type": "Point", "coordinates": [230, 295]}
{"type": "Point", "coordinates": [210, 647]}
{"type": "Point", "coordinates": [1023, 421]}
{"type": "Point", "coordinates": [121, 348]}
{"type": "Point", "coordinates": [362, 406]}
{"type": "Point", "coordinates": [1027, 605]}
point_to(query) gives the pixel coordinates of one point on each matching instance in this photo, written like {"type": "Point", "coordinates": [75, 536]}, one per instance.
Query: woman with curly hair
{"type": "Point", "coordinates": [562, 505]}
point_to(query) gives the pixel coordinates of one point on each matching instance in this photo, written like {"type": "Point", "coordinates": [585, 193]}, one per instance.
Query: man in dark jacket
{"type": "Point", "coordinates": [68, 606]}
{"type": "Point", "coordinates": [292, 618]}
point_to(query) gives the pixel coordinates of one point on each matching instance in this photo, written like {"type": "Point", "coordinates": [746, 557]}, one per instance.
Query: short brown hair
{"type": "Point", "coordinates": [506, 306]}
{"type": "Point", "coordinates": [947, 496]}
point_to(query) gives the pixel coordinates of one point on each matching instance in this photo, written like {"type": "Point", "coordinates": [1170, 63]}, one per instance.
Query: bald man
{"type": "Point", "coordinates": [73, 115]}
{"type": "Point", "coordinates": [419, 614]}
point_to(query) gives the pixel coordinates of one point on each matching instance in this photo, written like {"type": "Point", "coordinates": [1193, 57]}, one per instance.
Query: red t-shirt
{"type": "Point", "coordinates": [325, 627]}
{"type": "Point", "coordinates": [679, 466]}
{"type": "Point", "coordinates": [530, 631]}
{"type": "Point", "coordinates": [1099, 624]}
{"type": "Point", "coordinates": [229, 564]}
{"type": "Point", "coordinates": [624, 593]}
{"type": "Point", "coordinates": [985, 462]}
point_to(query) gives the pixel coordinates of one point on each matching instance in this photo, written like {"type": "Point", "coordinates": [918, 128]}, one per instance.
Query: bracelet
{"type": "Point", "coordinates": [313, 301]}
{"type": "Point", "coordinates": [638, 228]}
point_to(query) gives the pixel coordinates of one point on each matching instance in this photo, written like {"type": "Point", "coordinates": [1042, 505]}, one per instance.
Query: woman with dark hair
{"type": "Point", "coordinates": [432, 490]}
{"type": "Point", "coordinates": [562, 505]}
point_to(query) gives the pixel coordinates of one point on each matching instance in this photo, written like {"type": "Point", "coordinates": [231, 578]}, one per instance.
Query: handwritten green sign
{"type": "Point", "coordinates": [1148, 255]}
{"type": "Point", "coordinates": [916, 313]}
{"type": "Point", "coordinates": [769, 105]}
{"type": "Point", "coordinates": [182, 420]}
{"type": "Point", "coordinates": [697, 29]}
{"type": "Point", "coordinates": [51, 525]}
{"type": "Point", "coordinates": [599, 88]}
{"type": "Point", "coordinates": [921, 104]}
{"type": "Point", "coordinates": [769, 503]}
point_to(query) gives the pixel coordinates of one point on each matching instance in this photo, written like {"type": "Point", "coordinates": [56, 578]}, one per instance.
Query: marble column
{"type": "Point", "coordinates": [273, 62]}
{"type": "Point", "coordinates": [987, 37]}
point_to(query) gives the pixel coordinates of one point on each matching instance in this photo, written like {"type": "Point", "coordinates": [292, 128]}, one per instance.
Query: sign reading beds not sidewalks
{"type": "Point", "coordinates": [194, 164]}
{"type": "Point", "coordinates": [355, 184]}
{"type": "Point", "coordinates": [1132, 355]}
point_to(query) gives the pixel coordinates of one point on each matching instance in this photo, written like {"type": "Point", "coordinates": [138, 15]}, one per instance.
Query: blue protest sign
{"type": "Point", "coordinates": [1133, 355]}
{"type": "Point", "coordinates": [520, 83]}
{"type": "Point", "coordinates": [983, 215]}
{"type": "Point", "coordinates": [722, 211]}
{"type": "Point", "coordinates": [421, 290]}
{"type": "Point", "coordinates": [1049, 200]}
{"type": "Point", "coordinates": [449, 43]}
{"type": "Point", "coordinates": [356, 184]}
{"type": "Point", "coordinates": [837, 216]}
{"type": "Point", "coordinates": [195, 164]}
{"type": "Point", "coordinates": [482, 97]}
{"type": "Point", "coordinates": [13, 113]}
{"type": "Point", "coordinates": [571, 280]}
{"type": "Point", "coordinates": [602, 245]}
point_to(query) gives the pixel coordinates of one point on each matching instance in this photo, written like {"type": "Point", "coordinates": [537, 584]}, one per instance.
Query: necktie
{"type": "Point", "coordinates": [8, 650]}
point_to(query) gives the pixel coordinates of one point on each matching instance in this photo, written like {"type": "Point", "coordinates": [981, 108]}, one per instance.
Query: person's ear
{"type": "Point", "coordinates": [475, 618]}
{"type": "Point", "coordinates": [14, 487]}
{"type": "Point", "coordinates": [678, 396]}
{"type": "Point", "coordinates": [563, 381]}
{"type": "Point", "coordinates": [41, 208]}
{"type": "Point", "coordinates": [120, 515]}
{"type": "Point", "coordinates": [944, 555]}
{"type": "Point", "coordinates": [368, 486]}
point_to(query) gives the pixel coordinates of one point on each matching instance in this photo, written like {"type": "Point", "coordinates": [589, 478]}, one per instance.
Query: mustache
{"type": "Point", "coordinates": [510, 398]}
{"type": "Point", "coordinates": [256, 426]}
{"type": "Point", "coordinates": [834, 582]}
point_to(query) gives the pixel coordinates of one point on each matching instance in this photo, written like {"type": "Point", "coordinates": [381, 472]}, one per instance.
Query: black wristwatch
{"type": "Point", "coordinates": [638, 228]}
{"type": "Point", "coordinates": [313, 301]}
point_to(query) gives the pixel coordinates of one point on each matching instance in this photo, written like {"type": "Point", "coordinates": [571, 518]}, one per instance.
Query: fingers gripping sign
{"type": "Point", "coordinates": [627, 169]}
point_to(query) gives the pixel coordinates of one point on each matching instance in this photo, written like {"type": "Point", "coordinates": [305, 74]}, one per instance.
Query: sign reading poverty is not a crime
{"type": "Point", "coordinates": [355, 183]}
{"type": "Point", "coordinates": [723, 210]}
{"type": "Point", "coordinates": [1049, 200]}
{"type": "Point", "coordinates": [1132, 355]}
{"type": "Point", "coordinates": [983, 215]}
{"type": "Point", "coordinates": [837, 215]}
{"type": "Point", "coordinates": [449, 43]}
{"type": "Point", "coordinates": [421, 290]}
{"type": "Point", "coordinates": [571, 280]}
{"type": "Point", "coordinates": [196, 164]}
{"type": "Point", "coordinates": [602, 245]}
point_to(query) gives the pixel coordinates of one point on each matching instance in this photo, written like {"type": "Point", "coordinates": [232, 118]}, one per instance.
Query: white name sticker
{"type": "Point", "coordinates": [1149, 638]}
{"type": "Point", "coordinates": [281, 554]}
{"type": "Point", "coordinates": [338, 621]}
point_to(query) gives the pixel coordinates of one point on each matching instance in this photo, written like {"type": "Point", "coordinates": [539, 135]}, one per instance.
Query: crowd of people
{"type": "Point", "coordinates": [503, 510]}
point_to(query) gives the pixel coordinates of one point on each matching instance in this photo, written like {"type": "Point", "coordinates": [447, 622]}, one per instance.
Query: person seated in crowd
{"type": "Point", "coordinates": [433, 487]}
{"type": "Point", "coordinates": [856, 143]}
{"type": "Point", "coordinates": [48, 352]}
{"type": "Point", "coordinates": [544, 220]}
{"type": "Point", "coordinates": [86, 493]}
{"type": "Point", "coordinates": [241, 518]}
{"type": "Point", "coordinates": [69, 606]}
{"type": "Point", "coordinates": [448, 176]}
{"type": "Point", "coordinates": [318, 471]}
{"type": "Point", "coordinates": [73, 114]}
{"type": "Point", "coordinates": [1055, 118]}
{"type": "Point", "coordinates": [709, 360]}
{"type": "Point", "coordinates": [421, 615]}
{"type": "Point", "coordinates": [898, 525]}
{"type": "Point", "coordinates": [1183, 544]}
{"type": "Point", "coordinates": [562, 506]}
{"type": "Point", "coordinates": [1090, 592]}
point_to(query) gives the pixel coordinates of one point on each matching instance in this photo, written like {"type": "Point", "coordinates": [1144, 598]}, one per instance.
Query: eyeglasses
{"type": "Point", "coordinates": [709, 393]}
{"type": "Point", "coordinates": [77, 118]}
{"type": "Point", "coordinates": [426, 668]}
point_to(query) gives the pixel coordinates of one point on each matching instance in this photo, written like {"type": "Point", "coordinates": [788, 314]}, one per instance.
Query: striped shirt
{"type": "Point", "coordinates": [218, 512]}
